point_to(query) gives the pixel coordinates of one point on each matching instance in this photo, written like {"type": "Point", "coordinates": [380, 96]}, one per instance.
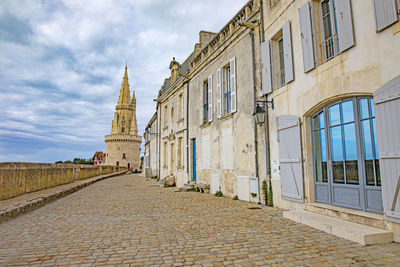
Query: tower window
{"type": "Point", "coordinates": [124, 156]}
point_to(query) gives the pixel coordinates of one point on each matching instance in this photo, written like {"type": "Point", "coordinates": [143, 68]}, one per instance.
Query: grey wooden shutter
{"type": "Point", "coordinates": [232, 64]}
{"type": "Point", "coordinates": [385, 13]}
{"type": "Point", "coordinates": [210, 99]}
{"type": "Point", "coordinates": [266, 77]}
{"type": "Point", "coordinates": [287, 50]}
{"type": "Point", "coordinates": [290, 157]}
{"type": "Point", "coordinates": [344, 24]}
{"type": "Point", "coordinates": [398, 6]}
{"type": "Point", "coordinates": [387, 110]}
{"type": "Point", "coordinates": [306, 31]}
{"type": "Point", "coordinates": [219, 93]}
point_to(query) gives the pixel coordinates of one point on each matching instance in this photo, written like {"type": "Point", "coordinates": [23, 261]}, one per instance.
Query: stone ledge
{"type": "Point", "coordinates": [362, 234]}
{"type": "Point", "coordinates": [32, 204]}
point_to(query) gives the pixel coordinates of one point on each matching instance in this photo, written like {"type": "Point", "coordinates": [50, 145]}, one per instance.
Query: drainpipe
{"type": "Point", "coordinates": [159, 142]}
{"type": "Point", "coordinates": [251, 27]}
{"type": "Point", "coordinates": [267, 147]}
{"type": "Point", "coordinates": [187, 130]}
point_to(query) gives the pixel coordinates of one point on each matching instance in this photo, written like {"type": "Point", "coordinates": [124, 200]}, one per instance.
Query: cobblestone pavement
{"type": "Point", "coordinates": [128, 220]}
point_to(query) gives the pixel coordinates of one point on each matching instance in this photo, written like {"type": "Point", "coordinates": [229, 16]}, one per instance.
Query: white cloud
{"type": "Point", "coordinates": [62, 66]}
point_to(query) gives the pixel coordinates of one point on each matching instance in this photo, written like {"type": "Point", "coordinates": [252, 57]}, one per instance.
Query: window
{"type": "Point", "coordinates": [205, 101]}
{"type": "Point", "coordinates": [226, 85]}
{"type": "Point", "coordinates": [334, 28]}
{"type": "Point", "coordinates": [172, 114]}
{"type": "Point", "coordinates": [123, 155]}
{"type": "Point", "coordinates": [337, 130]}
{"type": "Point", "coordinates": [277, 60]}
{"type": "Point", "coordinates": [180, 106]}
{"type": "Point", "coordinates": [165, 115]}
{"type": "Point", "coordinates": [165, 155]}
{"type": "Point", "coordinates": [180, 152]}
{"type": "Point", "coordinates": [329, 42]}
{"type": "Point", "coordinates": [226, 89]}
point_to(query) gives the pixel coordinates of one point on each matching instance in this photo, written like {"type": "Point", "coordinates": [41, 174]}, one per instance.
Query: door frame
{"type": "Point", "coordinates": [194, 173]}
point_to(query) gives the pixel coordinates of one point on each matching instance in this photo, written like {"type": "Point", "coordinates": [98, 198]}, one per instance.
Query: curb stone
{"type": "Point", "coordinates": [30, 205]}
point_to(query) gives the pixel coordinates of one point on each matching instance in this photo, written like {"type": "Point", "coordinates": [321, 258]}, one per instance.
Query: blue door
{"type": "Point", "coordinates": [194, 159]}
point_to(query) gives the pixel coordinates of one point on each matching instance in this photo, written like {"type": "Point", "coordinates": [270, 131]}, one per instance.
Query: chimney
{"type": "Point", "coordinates": [174, 67]}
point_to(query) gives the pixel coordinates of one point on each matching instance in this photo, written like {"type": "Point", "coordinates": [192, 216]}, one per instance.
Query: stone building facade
{"type": "Point", "coordinates": [151, 148]}
{"type": "Point", "coordinates": [325, 76]}
{"type": "Point", "coordinates": [171, 114]}
{"type": "Point", "coordinates": [123, 144]}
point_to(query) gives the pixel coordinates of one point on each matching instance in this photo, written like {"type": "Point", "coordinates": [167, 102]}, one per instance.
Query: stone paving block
{"type": "Point", "coordinates": [126, 220]}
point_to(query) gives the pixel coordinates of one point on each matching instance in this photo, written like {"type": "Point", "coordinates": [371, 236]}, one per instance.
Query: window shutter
{"type": "Point", "coordinates": [219, 93]}
{"type": "Point", "coordinates": [266, 79]}
{"type": "Point", "coordinates": [385, 13]}
{"type": "Point", "coordinates": [210, 100]}
{"type": "Point", "coordinates": [387, 109]}
{"type": "Point", "coordinates": [306, 31]}
{"type": "Point", "coordinates": [287, 50]}
{"type": "Point", "coordinates": [233, 84]}
{"type": "Point", "coordinates": [344, 24]}
{"type": "Point", "coordinates": [290, 158]}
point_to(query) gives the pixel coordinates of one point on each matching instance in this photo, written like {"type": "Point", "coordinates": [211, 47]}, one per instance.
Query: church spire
{"type": "Point", "coordinates": [124, 95]}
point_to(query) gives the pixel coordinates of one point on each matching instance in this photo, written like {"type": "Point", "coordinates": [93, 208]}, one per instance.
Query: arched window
{"type": "Point", "coordinates": [345, 152]}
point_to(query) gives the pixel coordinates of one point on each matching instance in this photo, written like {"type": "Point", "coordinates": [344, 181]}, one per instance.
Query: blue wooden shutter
{"type": "Point", "coordinates": [306, 31]}
{"type": "Point", "coordinates": [287, 50]}
{"type": "Point", "coordinates": [344, 24]}
{"type": "Point", "coordinates": [219, 93]}
{"type": "Point", "coordinates": [232, 64]}
{"type": "Point", "coordinates": [290, 158]}
{"type": "Point", "coordinates": [266, 78]}
{"type": "Point", "coordinates": [387, 110]}
{"type": "Point", "coordinates": [210, 98]}
{"type": "Point", "coordinates": [385, 13]}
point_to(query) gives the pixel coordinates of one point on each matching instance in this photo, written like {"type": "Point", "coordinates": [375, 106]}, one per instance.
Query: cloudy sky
{"type": "Point", "coordinates": [62, 63]}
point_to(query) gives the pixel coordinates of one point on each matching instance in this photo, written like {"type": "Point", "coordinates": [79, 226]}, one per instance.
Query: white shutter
{"type": "Point", "coordinates": [306, 31]}
{"type": "Point", "coordinates": [205, 141]}
{"type": "Point", "coordinates": [290, 158]}
{"type": "Point", "coordinates": [385, 13]}
{"type": "Point", "coordinates": [214, 185]}
{"type": "Point", "coordinates": [344, 24]}
{"type": "Point", "coordinates": [287, 50]}
{"type": "Point", "coordinates": [219, 93]}
{"type": "Point", "coordinates": [233, 84]}
{"type": "Point", "coordinates": [243, 188]}
{"type": "Point", "coordinates": [227, 149]}
{"type": "Point", "coordinates": [266, 78]}
{"type": "Point", "coordinates": [210, 99]}
{"type": "Point", "coordinates": [387, 110]}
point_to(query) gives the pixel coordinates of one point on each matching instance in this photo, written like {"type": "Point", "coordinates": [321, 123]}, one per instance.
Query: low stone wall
{"type": "Point", "coordinates": [18, 178]}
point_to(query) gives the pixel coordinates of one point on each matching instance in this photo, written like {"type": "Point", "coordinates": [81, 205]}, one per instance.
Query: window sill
{"type": "Point", "coordinates": [205, 125]}
{"type": "Point", "coordinates": [330, 64]}
{"type": "Point", "coordinates": [227, 117]}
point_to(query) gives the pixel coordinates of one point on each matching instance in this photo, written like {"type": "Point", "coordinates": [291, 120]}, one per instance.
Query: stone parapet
{"type": "Point", "coordinates": [122, 138]}
{"type": "Point", "coordinates": [18, 178]}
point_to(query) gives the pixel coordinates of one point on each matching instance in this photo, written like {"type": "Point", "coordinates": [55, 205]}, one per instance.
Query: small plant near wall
{"type": "Point", "coordinates": [219, 194]}
{"type": "Point", "coordinates": [265, 191]}
{"type": "Point", "coordinates": [270, 200]}
{"type": "Point", "coordinates": [253, 195]}
{"type": "Point", "coordinates": [236, 198]}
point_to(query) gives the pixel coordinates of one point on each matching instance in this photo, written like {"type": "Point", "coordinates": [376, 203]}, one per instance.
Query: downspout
{"type": "Point", "coordinates": [254, 105]}
{"type": "Point", "coordinates": [159, 141]}
{"type": "Point", "coordinates": [187, 130]}
{"type": "Point", "coordinates": [267, 147]}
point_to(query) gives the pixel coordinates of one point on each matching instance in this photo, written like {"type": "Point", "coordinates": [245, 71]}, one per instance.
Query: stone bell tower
{"type": "Point", "coordinates": [123, 144]}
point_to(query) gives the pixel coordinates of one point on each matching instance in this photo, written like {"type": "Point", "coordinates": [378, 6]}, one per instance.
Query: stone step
{"type": "Point", "coordinates": [186, 188]}
{"type": "Point", "coordinates": [362, 234]}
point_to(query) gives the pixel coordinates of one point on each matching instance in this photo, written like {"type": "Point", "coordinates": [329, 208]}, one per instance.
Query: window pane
{"type": "Point", "coordinates": [337, 154]}
{"type": "Point", "coordinates": [323, 156]}
{"type": "Point", "coordinates": [368, 154]}
{"type": "Point", "coordinates": [334, 115]}
{"type": "Point", "coordinates": [376, 154]}
{"type": "Point", "coordinates": [378, 172]}
{"type": "Point", "coordinates": [317, 156]}
{"type": "Point", "coordinates": [321, 120]}
{"type": "Point", "coordinates": [315, 123]}
{"type": "Point", "coordinates": [364, 108]}
{"type": "Point", "coordinates": [371, 107]}
{"type": "Point", "coordinates": [347, 111]}
{"type": "Point", "coordinates": [350, 153]}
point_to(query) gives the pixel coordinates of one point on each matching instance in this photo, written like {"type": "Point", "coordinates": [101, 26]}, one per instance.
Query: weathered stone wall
{"type": "Point", "coordinates": [18, 178]}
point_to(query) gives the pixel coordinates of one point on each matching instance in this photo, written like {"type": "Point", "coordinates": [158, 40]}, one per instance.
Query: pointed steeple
{"type": "Point", "coordinates": [124, 95]}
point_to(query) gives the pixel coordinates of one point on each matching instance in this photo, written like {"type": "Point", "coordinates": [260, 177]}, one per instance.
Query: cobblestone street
{"type": "Point", "coordinates": [128, 220]}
